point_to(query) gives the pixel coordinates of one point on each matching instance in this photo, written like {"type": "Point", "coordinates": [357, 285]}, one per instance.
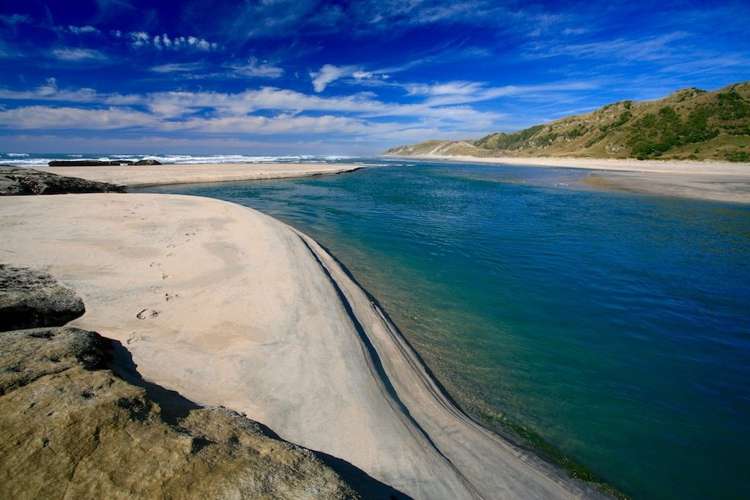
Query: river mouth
{"type": "Point", "coordinates": [613, 326]}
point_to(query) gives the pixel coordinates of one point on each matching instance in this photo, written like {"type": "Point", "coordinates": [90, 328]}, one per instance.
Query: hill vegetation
{"type": "Point", "coordinates": [690, 124]}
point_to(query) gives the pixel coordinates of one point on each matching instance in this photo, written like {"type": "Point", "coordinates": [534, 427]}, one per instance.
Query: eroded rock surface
{"type": "Point", "coordinates": [16, 181]}
{"type": "Point", "coordinates": [30, 298]}
{"type": "Point", "coordinates": [69, 428]}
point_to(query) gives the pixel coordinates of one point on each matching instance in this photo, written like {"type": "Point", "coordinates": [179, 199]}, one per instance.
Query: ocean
{"type": "Point", "coordinates": [41, 159]}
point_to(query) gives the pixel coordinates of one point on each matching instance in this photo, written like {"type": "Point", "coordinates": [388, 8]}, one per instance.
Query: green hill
{"type": "Point", "coordinates": [688, 124]}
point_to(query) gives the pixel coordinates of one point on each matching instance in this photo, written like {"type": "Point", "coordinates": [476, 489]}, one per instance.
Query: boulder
{"type": "Point", "coordinates": [16, 181]}
{"type": "Point", "coordinates": [148, 162]}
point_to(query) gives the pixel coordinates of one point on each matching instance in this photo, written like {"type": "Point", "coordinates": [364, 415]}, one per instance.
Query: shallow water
{"type": "Point", "coordinates": [616, 326]}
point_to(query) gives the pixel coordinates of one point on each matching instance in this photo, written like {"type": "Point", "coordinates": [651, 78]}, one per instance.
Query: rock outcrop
{"type": "Point", "coordinates": [31, 298]}
{"type": "Point", "coordinates": [76, 421]}
{"type": "Point", "coordinates": [147, 162]}
{"type": "Point", "coordinates": [16, 181]}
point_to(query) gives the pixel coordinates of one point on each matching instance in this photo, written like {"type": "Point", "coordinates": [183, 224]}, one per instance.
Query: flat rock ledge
{"type": "Point", "coordinates": [30, 298]}
{"type": "Point", "coordinates": [15, 181]}
{"type": "Point", "coordinates": [76, 421]}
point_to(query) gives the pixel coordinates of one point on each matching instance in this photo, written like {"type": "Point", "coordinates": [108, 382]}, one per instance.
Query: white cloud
{"type": "Point", "coordinates": [49, 92]}
{"type": "Point", "coordinates": [462, 92]}
{"type": "Point", "coordinates": [258, 69]}
{"type": "Point", "coordinates": [177, 67]}
{"type": "Point", "coordinates": [140, 39]}
{"type": "Point", "coordinates": [447, 88]}
{"type": "Point", "coordinates": [72, 54]}
{"type": "Point", "coordinates": [46, 117]}
{"type": "Point", "coordinates": [82, 30]}
{"type": "Point", "coordinates": [441, 110]}
{"type": "Point", "coordinates": [328, 74]}
{"type": "Point", "coordinates": [619, 49]}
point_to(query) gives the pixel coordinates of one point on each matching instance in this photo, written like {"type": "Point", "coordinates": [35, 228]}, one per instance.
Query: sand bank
{"type": "Point", "coordinates": [709, 180]}
{"type": "Point", "coordinates": [231, 307]}
{"type": "Point", "coordinates": [136, 175]}
{"type": "Point", "coordinates": [646, 166]}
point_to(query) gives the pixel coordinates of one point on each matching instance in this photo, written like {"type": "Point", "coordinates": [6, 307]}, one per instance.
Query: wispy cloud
{"type": "Point", "coordinates": [257, 69]}
{"type": "Point", "coordinates": [177, 67]}
{"type": "Point", "coordinates": [72, 54]}
{"type": "Point", "coordinates": [462, 92]}
{"type": "Point", "coordinates": [82, 30]}
{"type": "Point", "coordinates": [619, 49]}
{"type": "Point", "coordinates": [14, 19]}
{"type": "Point", "coordinates": [47, 117]}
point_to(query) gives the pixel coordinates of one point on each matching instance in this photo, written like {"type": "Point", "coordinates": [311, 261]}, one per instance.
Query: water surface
{"type": "Point", "coordinates": [615, 326]}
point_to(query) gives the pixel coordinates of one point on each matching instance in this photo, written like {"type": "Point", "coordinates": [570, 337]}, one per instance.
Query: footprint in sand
{"type": "Point", "coordinates": [147, 313]}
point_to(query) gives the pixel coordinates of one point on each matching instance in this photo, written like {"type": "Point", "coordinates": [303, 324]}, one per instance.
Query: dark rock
{"type": "Point", "coordinates": [16, 181]}
{"type": "Point", "coordinates": [27, 355]}
{"type": "Point", "coordinates": [88, 163]}
{"type": "Point", "coordinates": [31, 299]}
{"type": "Point", "coordinates": [148, 162]}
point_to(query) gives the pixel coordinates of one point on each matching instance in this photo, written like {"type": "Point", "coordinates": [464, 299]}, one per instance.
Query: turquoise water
{"type": "Point", "coordinates": [615, 326]}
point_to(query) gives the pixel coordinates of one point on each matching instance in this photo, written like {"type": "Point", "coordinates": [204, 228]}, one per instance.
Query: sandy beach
{"type": "Point", "coordinates": [136, 175]}
{"type": "Point", "coordinates": [708, 180]}
{"type": "Point", "coordinates": [231, 307]}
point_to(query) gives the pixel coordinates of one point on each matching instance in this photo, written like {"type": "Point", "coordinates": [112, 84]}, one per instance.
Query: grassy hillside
{"type": "Point", "coordinates": [688, 124]}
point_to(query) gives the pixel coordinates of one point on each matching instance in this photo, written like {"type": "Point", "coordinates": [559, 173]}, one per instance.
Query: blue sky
{"type": "Point", "coordinates": [315, 77]}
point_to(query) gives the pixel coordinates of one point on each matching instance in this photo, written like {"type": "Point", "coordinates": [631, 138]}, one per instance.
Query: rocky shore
{"type": "Point", "coordinates": [77, 421]}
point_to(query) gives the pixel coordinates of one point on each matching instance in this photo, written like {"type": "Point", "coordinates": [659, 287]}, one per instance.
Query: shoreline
{"type": "Point", "coordinates": [713, 181]}
{"type": "Point", "coordinates": [414, 431]}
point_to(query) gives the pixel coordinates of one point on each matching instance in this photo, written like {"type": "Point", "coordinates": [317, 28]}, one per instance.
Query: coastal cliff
{"type": "Point", "coordinates": [690, 124]}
